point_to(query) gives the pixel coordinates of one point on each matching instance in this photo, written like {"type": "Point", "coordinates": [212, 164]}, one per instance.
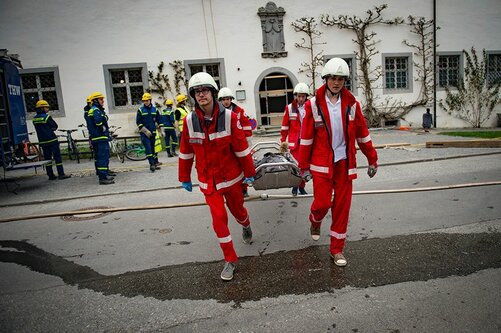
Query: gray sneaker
{"type": "Point", "coordinates": [247, 234]}
{"type": "Point", "coordinates": [227, 273]}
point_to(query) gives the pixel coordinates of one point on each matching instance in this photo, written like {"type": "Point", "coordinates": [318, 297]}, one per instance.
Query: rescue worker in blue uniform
{"type": "Point", "coordinates": [45, 127]}
{"type": "Point", "coordinates": [147, 119]}
{"type": "Point", "coordinates": [86, 109]}
{"type": "Point", "coordinates": [99, 134]}
{"type": "Point", "coordinates": [168, 122]}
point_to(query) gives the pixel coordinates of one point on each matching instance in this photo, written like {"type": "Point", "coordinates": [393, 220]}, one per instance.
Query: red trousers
{"type": "Point", "coordinates": [340, 206]}
{"type": "Point", "coordinates": [235, 202]}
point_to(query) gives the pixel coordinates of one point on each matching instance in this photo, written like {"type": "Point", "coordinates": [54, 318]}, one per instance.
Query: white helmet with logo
{"type": "Point", "coordinates": [199, 80]}
{"type": "Point", "coordinates": [225, 92]}
{"type": "Point", "coordinates": [336, 66]}
{"type": "Point", "coordinates": [301, 88]}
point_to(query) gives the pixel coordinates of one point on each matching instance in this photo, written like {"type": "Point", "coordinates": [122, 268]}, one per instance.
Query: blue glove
{"type": "Point", "coordinates": [188, 186]}
{"type": "Point", "coordinates": [248, 180]}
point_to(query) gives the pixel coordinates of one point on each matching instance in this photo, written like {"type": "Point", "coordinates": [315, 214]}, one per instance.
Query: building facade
{"type": "Point", "coordinates": [72, 48]}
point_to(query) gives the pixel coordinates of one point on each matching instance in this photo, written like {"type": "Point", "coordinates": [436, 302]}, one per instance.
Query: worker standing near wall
{"type": "Point", "coordinates": [99, 134]}
{"type": "Point", "coordinates": [330, 129]}
{"type": "Point", "coordinates": [147, 119]}
{"type": "Point", "coordinates": [213, 137]}
{"type": "Point", "coordinates": [181, 112]}
{"type": "Point", "coordinates": [290, 132]}
{"type": "Point", "coordinates": [45, 127]}
{"type": "Point", "coordinates": [168, 122]}
{"type": "Point", "coordinates": [226, 97]}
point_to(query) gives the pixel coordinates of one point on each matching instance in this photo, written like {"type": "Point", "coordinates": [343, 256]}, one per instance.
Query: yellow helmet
{"type": "Point", "coordinates": [169, 102]}
{"type": "Point", "coordinates": [96, 95]}
{"type": "Point", "coordinates": [146, 96]}
{"type": "Point", "coordinates": [89, 99]}
{"type": "Point", "coordinates": [181, 98]}
{"type": "Point", "coordinates": [42, 104]}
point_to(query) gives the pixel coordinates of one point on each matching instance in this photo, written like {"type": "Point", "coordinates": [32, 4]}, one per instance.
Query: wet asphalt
{"type": "Point", "coordinates": [373, 262]}
{"type": "Point", "coordinates": [107, 272]}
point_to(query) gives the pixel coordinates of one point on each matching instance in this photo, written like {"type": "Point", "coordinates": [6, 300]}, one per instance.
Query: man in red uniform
{"type": "Point", "coordinates": [225, 96]}
{"type": "Point", "coordinates": [291, 126]}
{"type": "Point", "coordinates": [333, 122]}
{"type": "Point", "coordinates": [213, 136]}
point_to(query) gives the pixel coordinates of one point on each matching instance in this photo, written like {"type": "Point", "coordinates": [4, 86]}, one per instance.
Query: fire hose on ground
{"type": "Point", "coordinates": [263, 196]}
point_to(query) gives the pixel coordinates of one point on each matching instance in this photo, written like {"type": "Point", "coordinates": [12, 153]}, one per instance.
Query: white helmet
{"type": "Point", "coordinates": [201, 79]}
{"type": "Point", "coordinates": [225, 92]}
{"type": "Point", "coordinates": [336, 66]}
{"type": "Point", "coordinates": [301, 88]}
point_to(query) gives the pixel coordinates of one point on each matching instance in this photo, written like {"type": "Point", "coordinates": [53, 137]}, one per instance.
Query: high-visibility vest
{"type": "Point", "coordinates": [184, 112]}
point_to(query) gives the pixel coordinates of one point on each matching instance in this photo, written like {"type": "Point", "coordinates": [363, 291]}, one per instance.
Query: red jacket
{"type": "Point", "coordinates": [291, 126]}
{"type": "Point", "coordinates": [243, 118]}
{"type": "Point", "coordinates": [316, 151]}
{"type": "Point", "coordinates": [221, 152]}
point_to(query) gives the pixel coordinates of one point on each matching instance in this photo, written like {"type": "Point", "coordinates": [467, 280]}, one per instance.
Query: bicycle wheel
{"type": "Point", "coordinates": [74, 151]}
{"type": "Point", "coordinates": [119, 150]}
{"type": "Point", "coordinates": [136, 153]}
{"type": "Point", "coordinates": [32, 153]}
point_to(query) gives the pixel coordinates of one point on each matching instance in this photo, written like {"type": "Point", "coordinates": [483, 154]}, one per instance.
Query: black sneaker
{"type": "Point", "coordinates": [112, 173]}
{"type": "Point", "coordinates": [64, 176]}
{"type": "Point", "coordinates": [302, 191]}
{"type": "Point", "coordinates": [106, 181]}
{"type": "Point", "coordinates": [294, 191]}
{"type": "Point", "coordinates": [157, 164]}
{"type": "Point", "coordinates": [52, 177]}
{"type": "Point", "coordinates": [170, 155]}
{"type": "Point", "coordinates": [247, 234]}
{"type": "Point", "coordinates": [227, 273]}
{"type": "Point", "coordinates": [108, 177]}
{"type": "Point", "coordinates": [152, 168]}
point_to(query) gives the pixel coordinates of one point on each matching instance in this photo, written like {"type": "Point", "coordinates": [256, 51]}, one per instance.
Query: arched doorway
{"type": "Point", "coordinates": [274, 91]}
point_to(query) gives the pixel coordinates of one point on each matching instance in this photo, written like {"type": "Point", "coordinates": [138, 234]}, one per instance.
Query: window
{"type": "Point", "coordinates": [350, 84]}
{"type": "Point", "coordinates": [397, 73]}
{"type": "Point", "coordinates": [449, 69]}
{"type": "Point", "coordinates": [125, 85]}
{"type": "Point", "coordinates": [42, 83]}
{"type": "Point", "coordinates": [215, 67]}
{"type": "Point", "coordinates": [493, 68]}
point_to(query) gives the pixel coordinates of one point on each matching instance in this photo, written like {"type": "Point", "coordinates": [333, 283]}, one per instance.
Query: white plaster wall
{"type": "Point", "coordinates": [80, 36]}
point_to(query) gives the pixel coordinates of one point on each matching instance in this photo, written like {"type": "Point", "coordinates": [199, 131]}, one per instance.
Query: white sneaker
{"type": "Point", "coordinates": [315, 232]}
{"type": "Point", "coordinates": [339, 259]}
{"type": "Point", "coordinates": [227, 273]}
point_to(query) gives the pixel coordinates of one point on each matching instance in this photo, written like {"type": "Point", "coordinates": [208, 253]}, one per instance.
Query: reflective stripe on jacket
{"type": "Point", "coordinates": [45, 127]}
{"type": "Point", "coordinates": [220, 150]}
{"type": "Point", "coordinates": [183, 111]}
{"type": "Point", "coordinates": [148, 117]}
{"type": "Point", "coordinates": [243, 118]}
{"type": "Point", "coordinates": [167, 118]}
{"type": "Point", "coordinates": [291, 126]}
{"type": "Point", "coordinates": [98, 123]}
{"type": "Point", "coordinates": [316, 151]}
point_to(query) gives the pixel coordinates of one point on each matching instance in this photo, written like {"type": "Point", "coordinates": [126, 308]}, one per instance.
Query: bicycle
{"type": "Point", "coordinates": [73, 152]}
{"type": "Point", "coordinates": [85, 134]}
{"type": "Point", "coordinates": [116, 147]}
{"type": "Point", "coordinates": [135, 152]}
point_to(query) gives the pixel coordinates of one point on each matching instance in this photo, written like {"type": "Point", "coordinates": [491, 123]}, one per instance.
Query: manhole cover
{"type": "Point", "coordinates": [85, 217]}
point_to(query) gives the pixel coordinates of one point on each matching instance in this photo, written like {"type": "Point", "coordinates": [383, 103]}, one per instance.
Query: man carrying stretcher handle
{"type": "Point", "coordinates": [330, 128]}
{"type": "Point", "coordinates": [213, 136]}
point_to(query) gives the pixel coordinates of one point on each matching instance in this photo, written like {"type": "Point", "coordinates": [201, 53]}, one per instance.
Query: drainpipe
{"type": "Point", "coordinates": [434, 63]}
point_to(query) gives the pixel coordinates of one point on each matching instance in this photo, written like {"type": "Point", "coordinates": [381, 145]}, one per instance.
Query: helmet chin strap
{"type": "Point", "coordinates": [332, 93]}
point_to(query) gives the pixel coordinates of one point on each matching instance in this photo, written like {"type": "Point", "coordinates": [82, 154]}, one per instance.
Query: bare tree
{"type": "Point", "coordinates": [308, 26]}
{"type": "Point", "coordinates": [179, 76]}
{"type": "Point", "coordinates": [475, 98]}
{"type": "Point", "coordinates": [366, 51]}
{"type": "Point", "coordinates": [159, 83]}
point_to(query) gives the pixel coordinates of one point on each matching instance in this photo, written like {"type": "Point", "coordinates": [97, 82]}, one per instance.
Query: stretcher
{"type": "Point", "coordinates": [273, 168]}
